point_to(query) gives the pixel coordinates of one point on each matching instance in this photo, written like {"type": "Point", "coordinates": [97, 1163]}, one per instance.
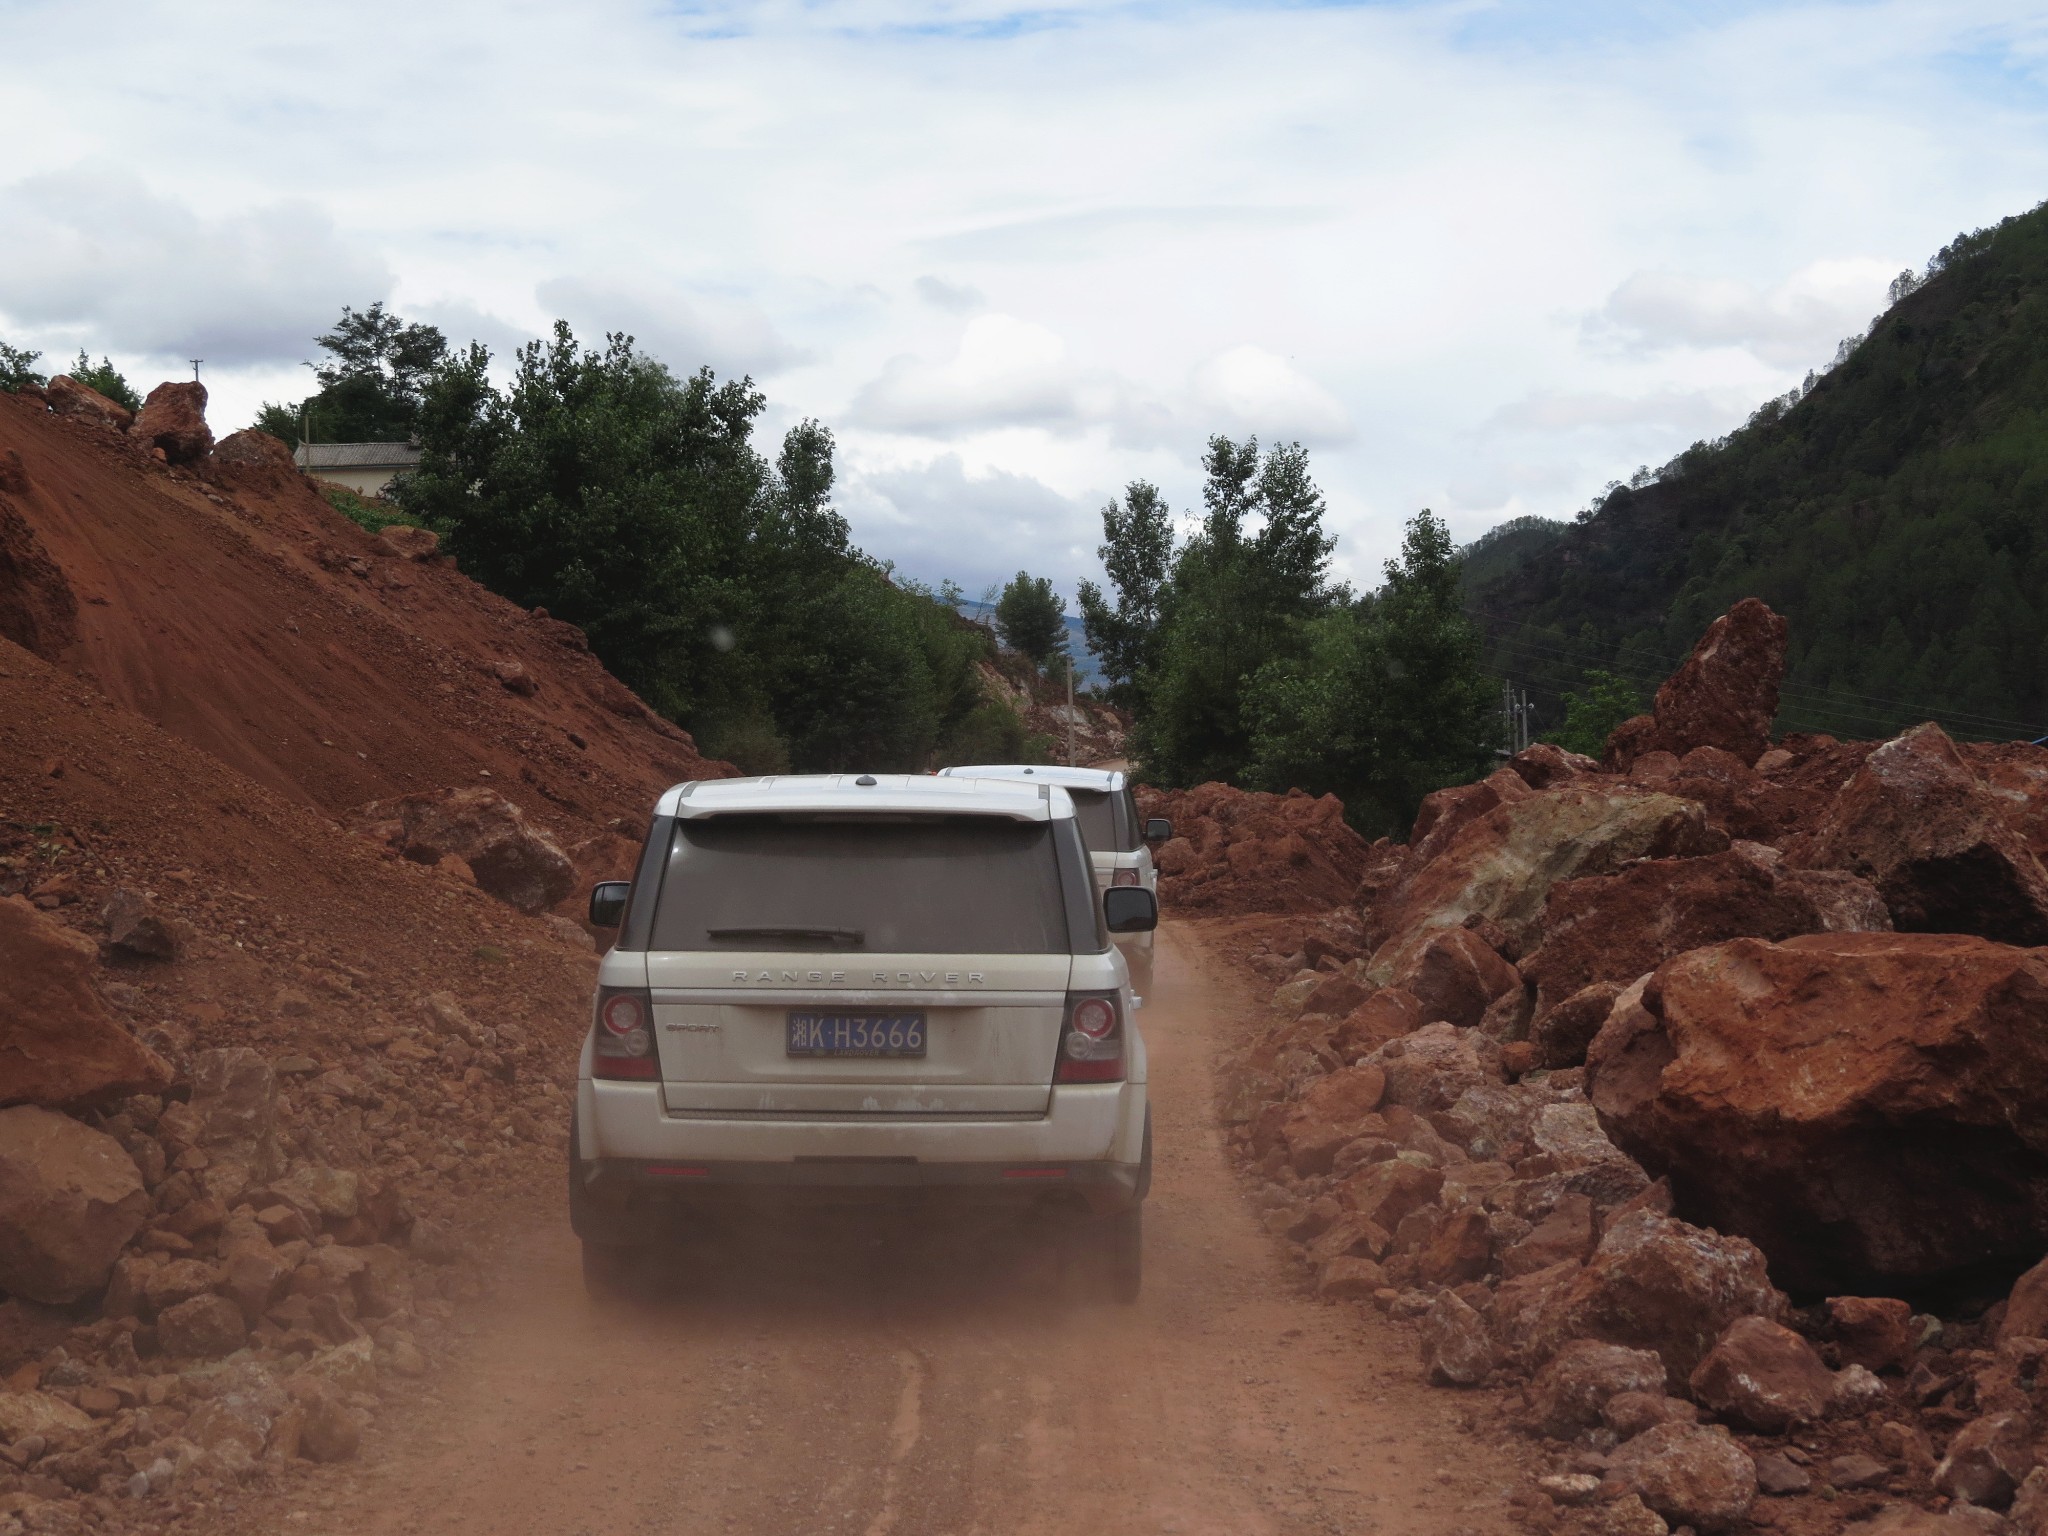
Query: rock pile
{"type": "Point", "coordinates": [1236, 850]}
{"type": "Point", "coordinates": [1675, 1090]}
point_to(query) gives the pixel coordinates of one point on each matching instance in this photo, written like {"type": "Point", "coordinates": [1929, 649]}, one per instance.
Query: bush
{"type": "Point", "coordinates": [106, 378]}
{"type": "Point", "coordinates": [17, 368]}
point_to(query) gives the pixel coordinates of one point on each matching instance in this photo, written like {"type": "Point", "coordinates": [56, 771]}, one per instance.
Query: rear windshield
{"type": "Point", "coordinates": [924, 885]}
{"type": "Point", "coordinates": [1096, 810]}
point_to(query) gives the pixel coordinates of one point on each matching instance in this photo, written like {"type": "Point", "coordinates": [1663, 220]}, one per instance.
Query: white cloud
{"type": "Point", "coordinates": [1247, 389]}
{"type": "Point", "coordinates": [97, 259]}
{"type": "Point", "coordinates": [1006, 372]}
{"type": "Point", "coordinates": [1797, 322]}
{"type": "Point", "coordinates": [733, 336]}
{"type": "Point", "coordinates": [938, 519]}
{"type": "Point", "coordinates": [1064, 245]}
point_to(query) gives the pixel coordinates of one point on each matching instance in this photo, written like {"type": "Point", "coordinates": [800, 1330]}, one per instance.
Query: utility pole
{"type": "Point", "coordinates": [195, 368]}
{"type": "Point", "coordinates": [1070, 709]}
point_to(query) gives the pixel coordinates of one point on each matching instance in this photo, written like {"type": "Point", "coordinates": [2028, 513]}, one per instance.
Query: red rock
{"type": "Point", "coordinates": [1457, 1348]}
{"type": "Point", "coordinates": [1691, 1474]}
{"type": "Point", "coordinates": [1559, 1036]}
{"type": "Point", "coordinates": [58, 1046]}
{"type": "Point", "coordinates": [1349, 1278]}
{"type": "Point", "coordinates": [1565, 1236]}
{"type": "Point", "coordinates": [1656, 1283]}
{"type": "Point", "coordinates": [1502, 865]}
{"type": "Point", "coordinates": [1460, 1250]}
{"type": "Point", "coordinates": [1544, 766]}
{"type": "Point", "coordinates": [1918, 824]}
{"type": "Point", "coordinates": [1385, 1016]}
{"type": "Point", "coordinates": [1455, 975]}
{"type": "Point", "coordinates": [1764, 1377]}
{"type": "Point", "coordinates": [70, 1200]}
{"type": "Point", "coordinates": [68, 397]}
{"type": "Point", "coordinates": [1986, 1460]}
{"type": "Point", "coordinates": [1337, 994]}
{"type": "Point", "coordinates": [512, 859]}
{"type": "Point", "coordinates": [1876, 1332]}
{"type": "Point", "coordinates": [1724, 695]}
{"type": "Point", "coordinates": [1570, 1393]}
{"type": "Point", "coordinates": [1615, 928]}
{"type": "Point", "coordinates": [135, 927]}
{"type": "Point", "coordinates": [1767, 1079]}
{"type": "Point", "coordinates": [1434, 1067]}
{"type": "Point", "coordinates": [38, 609]}
{"type": "Point", "coordinates": [410, 543]}
{"type": "Point", "coordinates": [2016, 774]}
{"type": "Point", "coordinates": [1445, 812]}
{"type": "Point", "coordinates": [173, 419]}
{"type": "Point", "coordinates": [1628, 1414]}
{"type": "Point", "coordinates": [1255, 852]}
{"type": "Point", "coordinates": [252, 449]}
{"type": "Point", "coordinates": [1386, 1192]}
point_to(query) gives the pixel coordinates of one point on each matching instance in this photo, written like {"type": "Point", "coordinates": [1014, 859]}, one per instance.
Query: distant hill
{"type": "Point", "coordinates": [1895, 509]}
{"type": "Point", "coordinates": [1087, 670]}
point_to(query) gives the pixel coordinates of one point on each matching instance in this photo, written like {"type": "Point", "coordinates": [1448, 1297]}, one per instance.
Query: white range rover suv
{"type": "Point", "coordinates": [1119, 840]}
{"type": "Point", "coordinates": [847, 988]}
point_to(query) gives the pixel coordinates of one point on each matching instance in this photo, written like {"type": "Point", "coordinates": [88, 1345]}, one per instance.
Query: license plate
{"type": "Point", "coordinates": [856, 1034]}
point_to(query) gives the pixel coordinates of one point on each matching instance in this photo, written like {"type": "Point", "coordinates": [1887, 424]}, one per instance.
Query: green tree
{"type": "Point", "coordinates": [106, 378]}
{"type": "Point", "coordinates": [1031, 619]}
{"type": "Point", "coordinates": [371, 384]}
{"type": "Point", "coordinates": [1137, 555]}
{"type": "Point", "coordinates": [1239, 598]}
{"type": "Point", "coordinates": [17, 368]}
{"type": "Point", "coordinates": [1593, 710]}
{"type": "Point", "coordinates": [1388, 700]}
{"type": "Point", "coordinates": [721, 586]}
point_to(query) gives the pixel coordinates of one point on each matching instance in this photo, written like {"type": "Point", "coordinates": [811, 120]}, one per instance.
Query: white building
{"type": "Point", "coordinates": [365, 468]}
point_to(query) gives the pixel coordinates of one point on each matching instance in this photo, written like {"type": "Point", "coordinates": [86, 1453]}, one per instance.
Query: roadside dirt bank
{"type": "Point", "coordinates": [915, 1383]}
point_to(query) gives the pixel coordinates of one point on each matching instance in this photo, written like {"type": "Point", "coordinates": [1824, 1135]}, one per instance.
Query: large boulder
{"type": "Point", "coordinates": [1455, 975]}
{"type": "Point", "coordinates": [1871, 1109]}
{"type": "Point", "coordinates": [1571, 1392]}
{"type": "Point", "coordinates": [173, 419]}
{"type": "Point", "coordinates": [1691, 1474]}
{"type": "Point", "coordinates": [2016, 773]}
{"type": "Point", "coordinates": [1917, 822]}
{"type": "Point", "coordinates": [1762, 1376]}
{"type": "Point", "coordinates": [1617, 927]}
{"type": "Point", "coordinates": [511, 858]}
{"type": "Point", "coordinates": [1444, 813]}
{"type": "Point", "coordinates": [1724, 695]}
{"type": "Point", "coordinates": [58, 1046]}
{"type": "Point", "coordinates": [1502, 865]}
{"type": "Point", "coordinates": [1654, 1283]}
{"type": "Point", "coordinates": [68, 397]}
{"type": "Point", "coordinates": [70, 1199]}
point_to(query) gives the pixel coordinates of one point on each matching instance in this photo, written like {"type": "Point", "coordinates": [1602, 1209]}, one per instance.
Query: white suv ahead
{"type": "Point", "coordinates": [1118, 839]}
{"type": "Point", "coordinates": [848, 988]}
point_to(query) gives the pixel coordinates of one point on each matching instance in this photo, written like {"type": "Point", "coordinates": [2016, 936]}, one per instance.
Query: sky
{"type": "Point", "coordinates": [1478, 257]}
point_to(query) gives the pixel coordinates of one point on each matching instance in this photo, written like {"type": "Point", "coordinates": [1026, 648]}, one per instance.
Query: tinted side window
{"type": "Point", "coordinates": [921, 885]}
{"type": "Point", "coordinates": [1097, 813]}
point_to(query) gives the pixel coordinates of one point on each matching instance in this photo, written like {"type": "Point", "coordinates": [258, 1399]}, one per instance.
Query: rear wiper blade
{"type": "Point", "coordinates": [819, 935]}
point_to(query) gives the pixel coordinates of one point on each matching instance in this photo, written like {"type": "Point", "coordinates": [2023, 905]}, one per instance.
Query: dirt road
{"type": "Point", "coordinates": [912, 1385]}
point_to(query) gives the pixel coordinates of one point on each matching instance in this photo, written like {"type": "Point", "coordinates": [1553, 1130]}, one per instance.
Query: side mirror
{"type": "Point", "coordinates": [608, 903]}
{"type": "Point", "coordinates": [1130, 909]}
{"type": "Point", "coordinates": [1158, 830]}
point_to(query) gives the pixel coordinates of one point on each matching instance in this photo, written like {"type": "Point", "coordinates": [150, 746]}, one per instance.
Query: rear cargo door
{"type": "Point", "coordinates": [783, 1035]}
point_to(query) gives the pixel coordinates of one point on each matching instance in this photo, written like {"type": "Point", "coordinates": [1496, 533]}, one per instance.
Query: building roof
{"type": "Point", "coordinates": [357, 456]}
{"type": "Point", "coordinates": [897, 793]}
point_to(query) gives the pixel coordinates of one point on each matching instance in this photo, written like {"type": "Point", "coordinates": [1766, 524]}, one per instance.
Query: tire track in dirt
{"type": "Point", "coordinates": [875, 1378]}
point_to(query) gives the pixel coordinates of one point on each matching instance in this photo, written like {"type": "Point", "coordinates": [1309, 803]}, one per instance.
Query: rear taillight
{"type": "Point", "coordinates": [1125, 877]}
{"type": "Point", "coordinates": [1092, 1039]}
{"type": "Point", "coordinates": [622, 1040]}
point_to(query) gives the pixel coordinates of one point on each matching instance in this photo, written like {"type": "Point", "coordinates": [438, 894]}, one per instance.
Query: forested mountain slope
{"type": "Point", "coordinates": [1893, 510]}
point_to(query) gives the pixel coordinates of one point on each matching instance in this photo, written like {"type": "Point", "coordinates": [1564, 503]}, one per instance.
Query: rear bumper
{"type": "Point", "coordinates": [1086, 1151]}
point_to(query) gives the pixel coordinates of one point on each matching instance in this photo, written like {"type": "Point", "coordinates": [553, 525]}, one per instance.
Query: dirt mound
{"type": "Point", "coordinates": [1818, 1104]}
{"type": "Point", "coordinates": [232, 606]}
{"type": "Point", "coordinates": [352, 1056]}
{"type": "Point", "coordinates": [1238, 851]}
